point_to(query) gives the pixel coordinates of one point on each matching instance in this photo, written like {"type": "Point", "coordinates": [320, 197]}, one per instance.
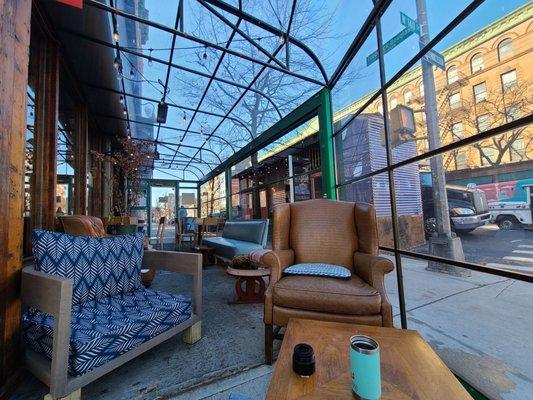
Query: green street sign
{"type": "Point", "coordinates": [390, 44]}
{"type": "Point", "coordinates": [410, 23]}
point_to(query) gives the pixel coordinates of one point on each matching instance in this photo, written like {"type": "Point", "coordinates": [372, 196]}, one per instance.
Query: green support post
{"type": "Point", "coordinates": [229, 217]}
{"type": "Point", "coordinates": [325, 136]}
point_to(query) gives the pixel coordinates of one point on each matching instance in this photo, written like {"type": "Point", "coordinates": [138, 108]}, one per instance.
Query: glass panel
{"type": "Point", "coordinates": [360, 147]}
{"type": "Point", "coordinates": [359, 81]}
{"type": "Point", "coordinates": [375, 191]}
{"type": "Point", "coordinates": [480, 215]}
{"type": "Point", "coordinates": [163, 212]}
{"type": "Point", "coordinates": [475, 324]}
{"type": "Point", "coordinates": [242, 206]}
{"type": "Point", "coordinates": [479, 102]}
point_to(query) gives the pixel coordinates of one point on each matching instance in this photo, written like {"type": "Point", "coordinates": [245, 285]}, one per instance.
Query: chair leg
{"type": "Point", "coordinates": [76, 395]}
{"type": "Point", "coordinates": [193, 334]}
{"type": "Point", "coordinates": [269, 342]}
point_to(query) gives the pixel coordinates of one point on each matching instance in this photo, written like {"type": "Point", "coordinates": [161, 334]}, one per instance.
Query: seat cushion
{"type": "Point", "coordinates": [103, 329]}
{"type": "Point", "coordinates": [318, 269]}
{"type": "Point", "coordinates": [324, 294]}
{"type": "Point", "coordinates": [229, 248]}
{"type": "Point", "coordinates": [246, 231]}
{"type": "Point", "coordinates": [99, 266]}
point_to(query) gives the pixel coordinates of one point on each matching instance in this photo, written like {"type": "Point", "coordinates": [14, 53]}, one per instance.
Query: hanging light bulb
{"type": "Point", "coordinates": [116, 36]}
{"type": "Point", "coordinates": [117, 63]}
{"type": "Point", "coordinates": [150, 58]}
{"type": "Point", "coordinates": [282, 38]}
{"type": "Point", "coordinates": [124, 111]}
{"type": "Point", "coordinates": [205, 54]}
{"type": "Point", "coordinates": [184, 116]}
{"type": "Point", "coordinates": [121, 99]}
{"type": "Point", "coordinates": [132, 74]}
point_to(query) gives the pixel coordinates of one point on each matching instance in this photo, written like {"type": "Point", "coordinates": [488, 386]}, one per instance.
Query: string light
{"type": "Point", "coordinates": [150, 58]}
{"type": "Point", "coordinates": [205, 54]}
{"type": "Point", "coordinates": [184, 116]}
{"type": "Point", "coordinates": [116, 36]}
{"type": "Point", "coordinates": [121, 99]}
{"type": "Point", "coordinates": [117, 63]}
{"type": "Point", "coordinates": [132, 74]}
{"type": "Point", "coordinates": [282, 38]}
{"type": "Point", "coordinates": [124, 111]}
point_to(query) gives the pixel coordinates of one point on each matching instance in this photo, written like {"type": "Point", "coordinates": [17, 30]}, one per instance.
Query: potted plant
{"type": "Point", "coordinates": [125, 179]}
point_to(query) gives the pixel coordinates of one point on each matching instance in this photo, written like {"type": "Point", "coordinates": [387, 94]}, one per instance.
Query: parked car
{"type": "Point", "coordinates": [468, 207]}
{"type": "Point", "coordinates": [515, 211]}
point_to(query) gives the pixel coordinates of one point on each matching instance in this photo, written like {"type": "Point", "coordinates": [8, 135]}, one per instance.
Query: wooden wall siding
{"type": "Point", "coordinates": [45, 149]}
{"type": "Point", "coordinates": [15, 16]}
{"type": "Point", "coordinates": [80, 160]}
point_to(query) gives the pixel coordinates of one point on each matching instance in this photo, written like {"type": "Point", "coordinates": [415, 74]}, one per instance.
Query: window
{"type": "Point", "coordinates": [505, 49]}
{"type": "Point", "coordinates": [490, 153]}
{"type": "Point", "coordinates": [453, 74]}
{"type": "Point", "coordinates": [512, 113]}
{"type": "Point", "coordinates": [476, 63]}
{"type": "Point", "coordinates": [460, 160]}
{"type": "Point", "coordinates": [380, 108]}
{"type": "Point", "coordinates": [393, 103]}
{"type": "Point", "coordinates": [480, 92]}
{"type": "Point", "coordinates": [458, 131]}
{"type": "Point", "coordinates": [455, 100]}
{"type": "Point", "coordinates": [407, 97]}
{"type": "Point", "coordinates": [483, 122]}
{"type": "Point", "coordinates": [518, 150]}
{"type": "Point", "coordinates": [509, 81]}
{"type": "Point", "coordinates": [421, 89]}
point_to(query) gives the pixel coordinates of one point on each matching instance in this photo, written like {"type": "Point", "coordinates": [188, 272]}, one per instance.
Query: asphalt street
{"type": "Point", "coordinates": [490, 246]}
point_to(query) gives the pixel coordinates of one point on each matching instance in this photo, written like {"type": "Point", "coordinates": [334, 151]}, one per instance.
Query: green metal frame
{"type": "Point", "coordinates": [318, 105]}
{"type": "Point", "coordinates": [325, 139]}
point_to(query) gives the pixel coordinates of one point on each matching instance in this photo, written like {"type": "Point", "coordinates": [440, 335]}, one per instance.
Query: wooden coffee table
{"type": "Point", "coordinates": [410, 369]}
{"type": "Point", "coordinates": [248, 278]}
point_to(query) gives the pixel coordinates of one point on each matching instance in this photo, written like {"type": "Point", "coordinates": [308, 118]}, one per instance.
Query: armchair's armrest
{"type": "Point", "coordinates": [53, 295]}
{"type": "Point", "coordinates": [182, 263]}
{"type": "Point", "coordinates": [277, 260]}
{"type": "Point", "coordinates": [372, 270]}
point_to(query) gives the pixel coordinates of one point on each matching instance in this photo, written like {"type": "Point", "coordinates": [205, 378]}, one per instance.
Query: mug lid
{"type": "Point", "coordinates": [364, 344]}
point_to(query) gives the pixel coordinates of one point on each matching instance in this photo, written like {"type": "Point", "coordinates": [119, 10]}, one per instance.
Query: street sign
{"type": "Point", "coordinates": [410, 23]}
{"type": "Point", "coordinates": [435, 59]}
{"type": "Point", "coordinates": [390, 44]}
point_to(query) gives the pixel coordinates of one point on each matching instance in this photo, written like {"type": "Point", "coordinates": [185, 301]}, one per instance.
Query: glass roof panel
{"type": "Point", "coordinates": [328, 28]}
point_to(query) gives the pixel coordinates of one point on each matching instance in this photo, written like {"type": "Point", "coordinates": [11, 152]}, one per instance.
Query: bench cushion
{"type": "Point", "coordinates": [103, 329]}
{"type": "Point", "coordinates": [246, 231]}
{"type": "Point", "coordinates": [229, 248]}
{"type": "Point", "coordinates": [99, 266]}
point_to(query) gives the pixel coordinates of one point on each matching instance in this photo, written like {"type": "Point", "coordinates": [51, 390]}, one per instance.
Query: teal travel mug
{"type": "Point", "coordinates": [366, 367]}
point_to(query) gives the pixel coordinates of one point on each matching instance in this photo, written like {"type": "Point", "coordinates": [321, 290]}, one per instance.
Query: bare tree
{"type": "Point", "coordinates": [490, 110]}
{"type": "Point", "coordinates": [312, 23]}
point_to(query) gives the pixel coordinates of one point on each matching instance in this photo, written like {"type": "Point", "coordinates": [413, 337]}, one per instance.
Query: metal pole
{"type": "Point", "coordinates": [443, 244]}
{"type": "Point", "coordinates": [325, 140]}
{"type": "Point", "coordinates": [291, 179]}
{"type": "Point", "coordinates": [390, 176]}
{"type": "Point", "coordinates": [432, 120]}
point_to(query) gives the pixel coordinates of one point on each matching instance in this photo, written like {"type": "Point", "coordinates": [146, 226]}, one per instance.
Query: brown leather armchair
{"type": "Point", "coordinates": [82, 225]}
{"type": "Point", "coordinates": [333, 232]}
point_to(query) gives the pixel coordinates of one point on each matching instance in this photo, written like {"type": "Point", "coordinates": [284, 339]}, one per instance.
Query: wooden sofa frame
{"type": "Point", "coordinates": [53, 295]}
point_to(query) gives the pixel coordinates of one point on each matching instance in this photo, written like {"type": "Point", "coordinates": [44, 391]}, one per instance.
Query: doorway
{"type": "Point", "coordinates": [162, 211]}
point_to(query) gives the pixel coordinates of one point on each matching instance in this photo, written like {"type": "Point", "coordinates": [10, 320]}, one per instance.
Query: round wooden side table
{"type": "Point", "coordinates": [246, 289]}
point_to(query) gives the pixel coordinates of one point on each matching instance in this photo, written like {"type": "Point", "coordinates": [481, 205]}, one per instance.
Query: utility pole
{"type": "Point", "coordinates": [444, 243]}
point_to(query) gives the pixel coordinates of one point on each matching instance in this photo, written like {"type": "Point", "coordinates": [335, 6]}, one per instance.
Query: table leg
{"type": "Point", "coordinates": [249, 294]}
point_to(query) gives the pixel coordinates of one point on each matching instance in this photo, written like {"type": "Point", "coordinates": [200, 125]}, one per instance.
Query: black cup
{"type": "Point", "coordinates": [303, 360]}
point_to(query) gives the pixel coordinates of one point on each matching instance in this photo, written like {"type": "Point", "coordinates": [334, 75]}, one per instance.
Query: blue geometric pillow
{"type": "Point", "coordinates": [99, 267]}
{"type": "Point", "coordinates": [318, 269]}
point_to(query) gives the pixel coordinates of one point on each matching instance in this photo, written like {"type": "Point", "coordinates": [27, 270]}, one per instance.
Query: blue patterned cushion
{"type": "Point", "coordinates": [318, 269]}
{"type": "Point", "coordinates": [99, 267]}
{"type": "Point", "coordinates": [103, 329]}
